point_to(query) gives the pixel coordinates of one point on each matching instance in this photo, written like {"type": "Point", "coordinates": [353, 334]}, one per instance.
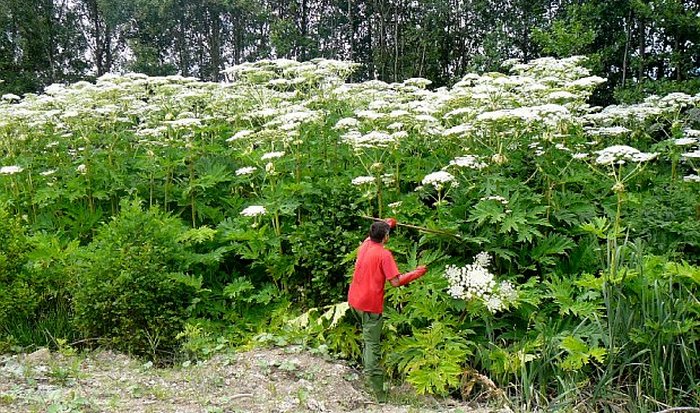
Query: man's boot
{"type": "Point", "coordinates": [377, 384]}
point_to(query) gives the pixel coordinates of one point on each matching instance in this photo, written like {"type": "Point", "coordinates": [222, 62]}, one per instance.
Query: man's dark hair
{"type": "Point", "coordinates": [378, 231]}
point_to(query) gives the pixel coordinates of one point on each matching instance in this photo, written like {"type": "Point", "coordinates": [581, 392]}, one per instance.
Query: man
{"type": "Point", "coordinates": [375, 265]}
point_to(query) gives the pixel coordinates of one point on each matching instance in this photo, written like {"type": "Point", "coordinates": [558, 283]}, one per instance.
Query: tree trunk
{"type": "Point", "coordinates": [397, 18]}
{"type": "Point", "coordinates": [215, 44]}
{"type": "Point", "coordinates": [304, 29]}
{"type": "Point", "coordinates": [627, 47]}
{"type": "Point", "coordinates": [642, 47]}
{"type": "Point", "coordinates": [182, 42]}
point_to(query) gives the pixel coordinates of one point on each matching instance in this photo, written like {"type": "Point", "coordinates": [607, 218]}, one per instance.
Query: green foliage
{"type": "Point", "coordinates": [431, 358]}
{"type": "Point", "coordinates": [333, 328]}
{"type": "Point", "coordinates": [17, 298]}
{"type": "Point", "coordinates": [132, 289]}
{"type": "Point", "coordinates": [566, 37]}
{"type": "Point", "coordinates": [34, 298]}
{"type": "Point", "coordinates": [555, 222]}
{"type": "Point", "coordinates": [653, 310]}
{"type": "Point", "coordinates": [579, 353]}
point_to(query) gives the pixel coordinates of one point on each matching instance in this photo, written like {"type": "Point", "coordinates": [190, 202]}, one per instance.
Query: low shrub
{"type": "Point", "coordinates": [132, 289]}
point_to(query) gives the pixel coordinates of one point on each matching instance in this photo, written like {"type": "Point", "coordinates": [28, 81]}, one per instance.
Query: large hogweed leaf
{"type": "Point", "coordinates": [432, 358]}
{"type": "Point", "coordinates": [548, 248]}
{"type": "Point", "coordinates": [579, 354]}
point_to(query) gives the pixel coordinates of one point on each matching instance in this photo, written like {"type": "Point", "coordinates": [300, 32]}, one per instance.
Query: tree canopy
{"type": "Point", "coordinates": [630, 41]}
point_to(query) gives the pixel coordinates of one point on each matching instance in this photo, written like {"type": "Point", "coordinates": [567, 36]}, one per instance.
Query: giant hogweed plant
{"type": "Point", "coordinates": [268, 158]}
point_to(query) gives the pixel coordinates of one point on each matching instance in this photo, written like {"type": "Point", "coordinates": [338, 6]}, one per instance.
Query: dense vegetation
{"type": "Point", "coordinates": [637, 45]}
{"type": "Point", "coordinates": [170, 217]}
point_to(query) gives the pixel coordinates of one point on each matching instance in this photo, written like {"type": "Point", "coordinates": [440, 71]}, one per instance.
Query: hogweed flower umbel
{"type": "Point", "coordinates": [254, 211]}
{"type": "Point", "coordinates": [476, 282]}
{"type": "Point", "coordinates": [361, 180]}
{"type": "Point", "coordinates": [10, 170]}
{"type": "Point", "coordinates": [438, 179]}
{"type": "Point", "coordinates": [246, 170]}
{"type": "Point", "coordinates": [622, 153]}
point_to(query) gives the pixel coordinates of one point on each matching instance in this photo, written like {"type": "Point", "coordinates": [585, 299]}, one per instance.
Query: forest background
{"type": "Point", "coordinates": [629, 42]}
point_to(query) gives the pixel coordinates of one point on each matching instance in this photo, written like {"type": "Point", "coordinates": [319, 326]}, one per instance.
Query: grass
{"type": "Point", "coordinates": [51, 325]}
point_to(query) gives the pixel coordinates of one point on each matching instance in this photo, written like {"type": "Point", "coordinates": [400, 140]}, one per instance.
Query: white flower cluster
{"type": "Point", "coordinates": [438, 179]}
{"type": "Point", "coordinates": [246, 170]}
{"type": "Point", "coordinates": [347, 123]}
{"type": "Point", "coordinates": [10, 170]}
{"type": "Point", "coordinates": [549, 114]}
{"type": "Point", "coordinates": [271, 155]}
{"type": "Point", "coordinates": [691, 178]}
{"type": "Point", "coordinates": [240, 135]}
{"type": "Point", "coordinates": [374, 139]}
{"type": "Point", "coordinates": [469, 161]}
{"type": "Point", "coordinates": [362, 180]}
{"type": "Point", "coordinates": [608, 131]}
{"type": "Point", "coordinates": [619, 154]}
{"type": "Point", "coordinates": [496, 198]}
{"type": "Point", "coordinates": [10, 97]}
{"type": "Point", "coordinates": [476, 282]}
{"type": "Point", "coordinates": [254, 211]}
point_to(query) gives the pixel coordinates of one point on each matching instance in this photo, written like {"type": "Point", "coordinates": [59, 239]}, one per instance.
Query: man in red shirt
{"type": "Point", "coordinates": [374, 266]}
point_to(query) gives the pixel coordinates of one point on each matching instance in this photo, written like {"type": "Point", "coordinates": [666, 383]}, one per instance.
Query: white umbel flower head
{"type": "Point", "coordinates": [246, 170]}
{"type": "Point", "coordinates": [469, 161]}
{"type": "Point", "coordinates": [685, 141]}
{"type": "Point", "coordinates": [272, 155]}
{"type": "Point", "coordinates": [373, 139]}
{"type": "Point", "coordinates": [254, 211]}
{"type": "Point", "coordinates": [622, 153]}
{"type": "Point", "coordinates": [240, 135]}
{"type": "Point", "coordinates": [10, 97]}
{"type": "Point", "coordinates": [347, 123]}
{"type": "Point", "coordinates": [438, 179]}
{"type": "Point", "coordinates": [10, 170]}
{"type": "Point", "coordinates": [476, 282]}
{"type": "Point", "coordinates": [362, 180]}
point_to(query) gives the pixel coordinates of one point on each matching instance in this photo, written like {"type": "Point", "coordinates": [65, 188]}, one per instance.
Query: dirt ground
{"type": "Point", "coordinates": [273, 380]}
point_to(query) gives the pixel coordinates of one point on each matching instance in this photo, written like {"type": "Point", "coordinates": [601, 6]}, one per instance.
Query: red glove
{"type": "Point", "coordinates": [392, 222]}
{"type": "Point", "coordinates": [413, 275]}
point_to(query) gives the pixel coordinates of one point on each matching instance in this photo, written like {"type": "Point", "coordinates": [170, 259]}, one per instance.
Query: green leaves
{"type": "Point", "coordinates": [547, 248]}
{"type": "Point", "coordinates": [432, 358]}
{"type": "Point", "coordinates": [579, 353]}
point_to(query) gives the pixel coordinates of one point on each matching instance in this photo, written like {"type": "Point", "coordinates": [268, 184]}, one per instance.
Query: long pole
{"type": "Point", "coordinates": [416, 227]}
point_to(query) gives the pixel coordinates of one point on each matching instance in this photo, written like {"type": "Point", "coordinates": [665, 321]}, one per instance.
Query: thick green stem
{"type": "Point", "coordinates": [380, 201]}
{"type": "Point", "coordinates": [192, 197]}
{"type": "Point", "coordinates": [615, 233]}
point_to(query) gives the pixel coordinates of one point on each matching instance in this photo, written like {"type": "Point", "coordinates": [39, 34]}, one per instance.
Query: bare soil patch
{"type": "Point", "coordinates": [273, 380]}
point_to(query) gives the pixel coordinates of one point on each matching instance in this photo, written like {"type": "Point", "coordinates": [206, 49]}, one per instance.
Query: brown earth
{"type": "Point", "coordinates": [263, 380]}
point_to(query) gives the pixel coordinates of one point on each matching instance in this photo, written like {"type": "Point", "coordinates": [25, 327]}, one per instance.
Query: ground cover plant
{"type": "Point", "coordinates": [170, 217]}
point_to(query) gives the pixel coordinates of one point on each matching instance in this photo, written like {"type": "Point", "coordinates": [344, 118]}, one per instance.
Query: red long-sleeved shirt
{"type": "Point", "coordinates": [374, 266]}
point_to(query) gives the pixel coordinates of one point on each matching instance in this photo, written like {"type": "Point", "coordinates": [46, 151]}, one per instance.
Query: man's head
{"type": "Point", "coordinates": [378, 231]}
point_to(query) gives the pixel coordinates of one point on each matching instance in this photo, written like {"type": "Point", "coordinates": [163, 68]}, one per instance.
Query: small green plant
{"type": "Point", "coordinates": [7, 399]}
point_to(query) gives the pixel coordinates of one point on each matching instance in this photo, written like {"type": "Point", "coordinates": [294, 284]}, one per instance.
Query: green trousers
{"type": "Point", "coordinates": [372, 352]}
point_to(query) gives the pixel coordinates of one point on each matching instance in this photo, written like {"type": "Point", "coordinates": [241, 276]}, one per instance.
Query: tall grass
{"type": "Point", "coordinates": [646, 316]}
{"type": "Point", "coordinates": [45, 330]}
{"type": "Point", "coordinates": [652, 333]}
